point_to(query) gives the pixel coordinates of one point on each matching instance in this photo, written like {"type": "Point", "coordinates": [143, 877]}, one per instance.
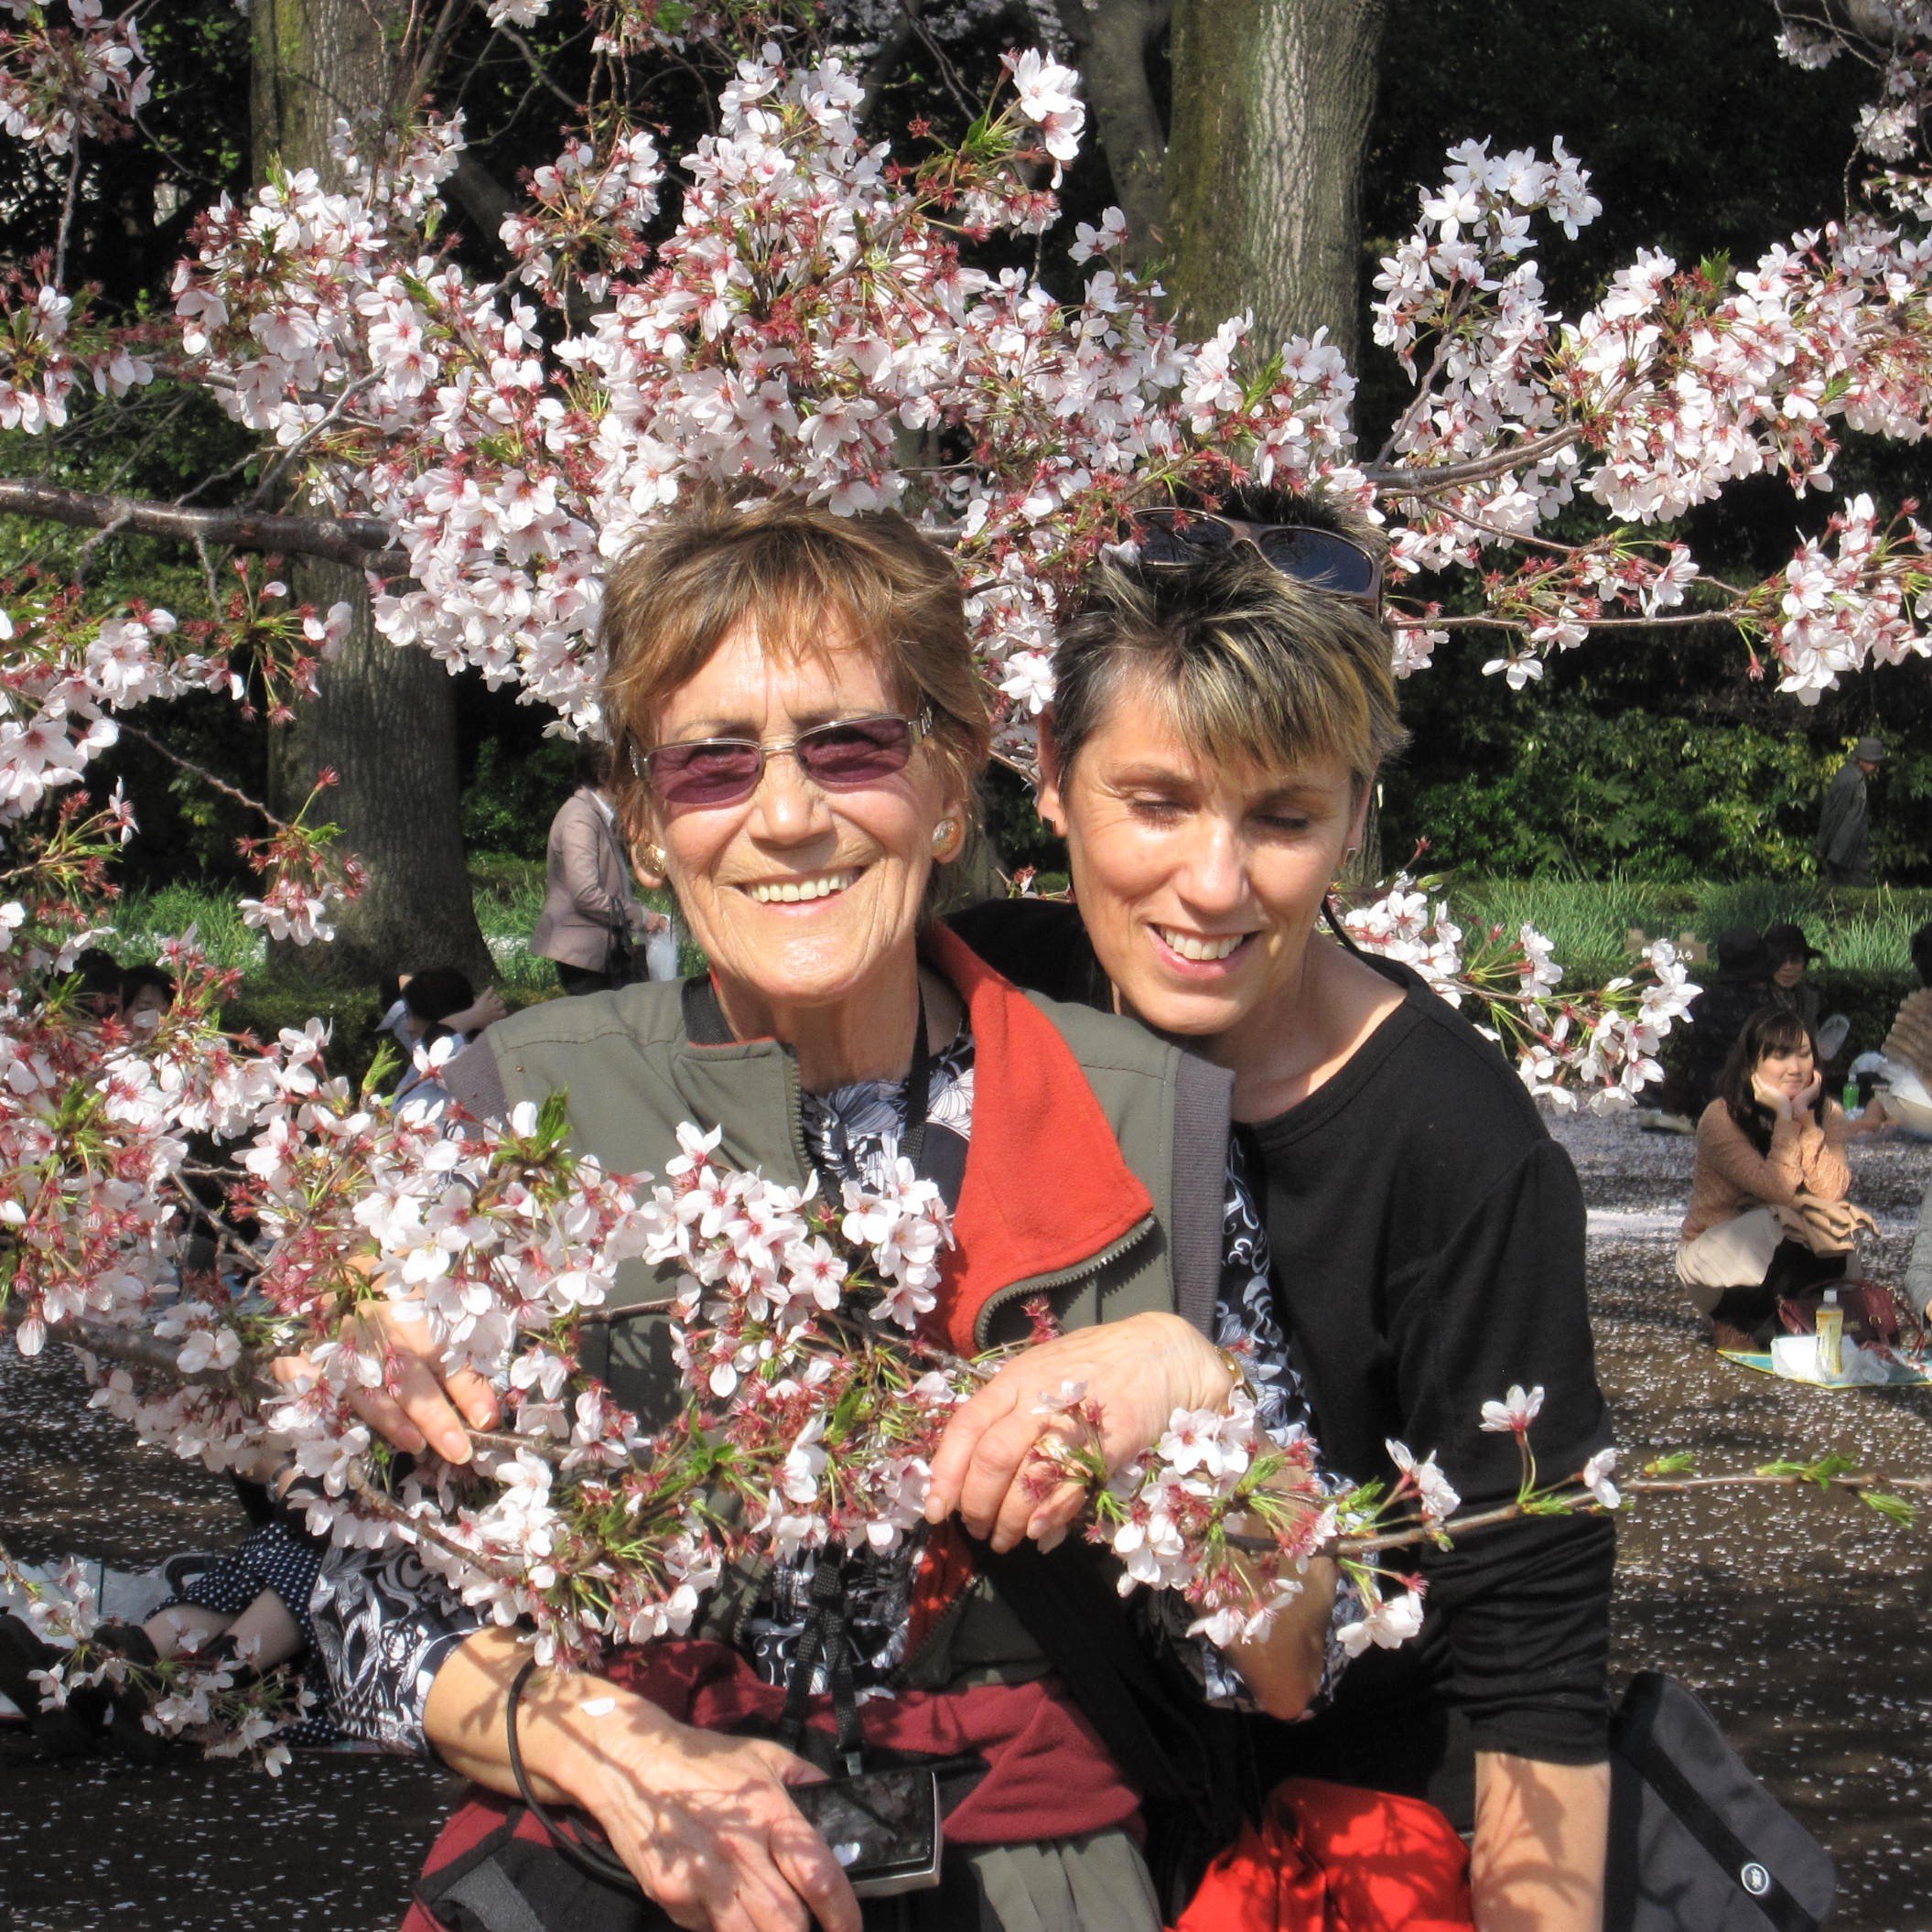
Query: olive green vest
{"type": "Point", "coordinates": [631, 1075]}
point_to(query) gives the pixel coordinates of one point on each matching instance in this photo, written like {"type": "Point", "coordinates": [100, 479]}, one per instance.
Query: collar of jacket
{"type": "Point", "coordinates": [1046, 1189]}
{"type": "Point", "coordinates": [1046, 1194]}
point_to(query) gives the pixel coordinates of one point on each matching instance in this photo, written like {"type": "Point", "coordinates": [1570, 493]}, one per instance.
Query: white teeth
{"type": "Point", "coordinates": [1189, 947]}
{"type": "Point", "coordinates": [790, 891]}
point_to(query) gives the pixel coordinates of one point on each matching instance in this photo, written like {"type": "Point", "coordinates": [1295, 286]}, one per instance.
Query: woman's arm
{"type": "Point", "coordinates": [1536, 1864]}
{"type": "Point", "coordinates": [1827, 1173]}
{"type": "Point", "coordinates": [703, 1821]}
{"type": "Point", "coordinates": [1138, 1371]}
{"type": "Point", "coordinates": [1773, 1178]}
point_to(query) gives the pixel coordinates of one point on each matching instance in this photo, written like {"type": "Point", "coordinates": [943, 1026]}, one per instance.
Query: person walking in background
{"type": "Point", "coordinates": [1844, 840]}
{"type": "Point", "coordinates": [592, 912]}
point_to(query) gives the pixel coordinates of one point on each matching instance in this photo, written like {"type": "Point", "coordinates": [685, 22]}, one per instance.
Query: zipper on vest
{"type": "Point", "coordinates": [1061, 1278]}
{"type": "Point", "coordinates": [795, 1118]}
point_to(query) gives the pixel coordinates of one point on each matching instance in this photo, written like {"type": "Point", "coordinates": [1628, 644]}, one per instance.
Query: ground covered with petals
{"type": "Point", "coordinates": [1800, 1619]}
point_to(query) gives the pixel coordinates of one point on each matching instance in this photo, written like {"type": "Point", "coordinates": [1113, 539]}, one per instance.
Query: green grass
{"type": "Point", "coordinates": [1589, 921]}
{"type": "Point", "coordinates": [142, 920]}
{"type": "Point", "coordinates": [508, 894]}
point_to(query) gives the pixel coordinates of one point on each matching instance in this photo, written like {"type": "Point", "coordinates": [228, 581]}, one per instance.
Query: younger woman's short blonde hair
{"type": "Point", "coordinates": [802, 574]}
{"type": "Point", "coordinates": [1248, 665]}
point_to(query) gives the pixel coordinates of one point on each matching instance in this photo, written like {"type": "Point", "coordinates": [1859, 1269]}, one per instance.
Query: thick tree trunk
{"type": "Point", "coordinates": [1272, 102]}
{"type": "Point", "coordinates": [385, 719]}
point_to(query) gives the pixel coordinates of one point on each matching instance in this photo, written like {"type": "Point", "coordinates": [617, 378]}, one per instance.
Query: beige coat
{"type": "Point", "coordinates": [1731, 1177]}
{"type": "Point", "coordinates": [589, 898]}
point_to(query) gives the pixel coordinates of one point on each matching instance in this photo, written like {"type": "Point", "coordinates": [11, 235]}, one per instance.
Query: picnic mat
{"type": "Point", "coordinates": [1875, 1371]}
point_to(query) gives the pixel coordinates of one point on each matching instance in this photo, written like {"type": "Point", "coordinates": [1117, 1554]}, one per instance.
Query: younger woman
{"type": "Point", "coordinates": [1771, 1140]}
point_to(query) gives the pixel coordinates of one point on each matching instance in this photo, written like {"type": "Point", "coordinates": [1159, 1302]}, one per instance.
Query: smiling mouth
{"type": "Point", "coordinates": [795, 891]}
{"type": "Point", "coordinates": [1193, 947]}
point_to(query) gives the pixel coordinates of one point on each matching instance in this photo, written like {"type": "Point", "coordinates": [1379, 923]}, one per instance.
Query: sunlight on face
{"type": "Point", "coordinates": [867, 853]}
{"type": "Point", "coordinates": [1200, 885]}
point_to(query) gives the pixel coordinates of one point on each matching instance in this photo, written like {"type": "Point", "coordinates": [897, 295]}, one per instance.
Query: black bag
{"type": "Point", "coordinates": [1696, 1843]}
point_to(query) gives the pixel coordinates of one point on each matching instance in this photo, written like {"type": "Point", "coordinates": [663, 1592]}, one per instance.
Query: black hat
{"type": "Point", "coordinates": [1786, 940]}
{"type": "Point", "coordinates": [1869, 751]}
{"type": "Point", "coordinates": [1742, 954]}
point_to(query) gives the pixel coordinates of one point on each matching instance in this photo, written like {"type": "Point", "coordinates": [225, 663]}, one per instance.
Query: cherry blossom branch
{"type": "Point", "coordinates": [361, 541]}
{"type": "Point", "coordinates": [208, 778]}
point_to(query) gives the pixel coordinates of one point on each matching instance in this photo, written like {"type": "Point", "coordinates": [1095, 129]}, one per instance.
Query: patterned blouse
{"type": "Point", "coordinates": [384, 1625]}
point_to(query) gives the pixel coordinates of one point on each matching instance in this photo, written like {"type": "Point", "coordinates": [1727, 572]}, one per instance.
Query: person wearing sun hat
{"type": "Point", "coordinates": [1844, 836]}
{"type": "Point", "coordinates": [1791, 955]}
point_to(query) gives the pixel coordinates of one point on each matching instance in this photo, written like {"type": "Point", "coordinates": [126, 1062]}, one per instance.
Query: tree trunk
{"type": "Point", "coordinates": [385, 719]}
{"type": "Point", "coordinates": [1272, 102]}
{"type": "Point", "coordinates": [1112, 42]}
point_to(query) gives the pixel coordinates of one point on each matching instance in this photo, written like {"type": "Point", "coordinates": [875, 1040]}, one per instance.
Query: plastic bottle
{"type": "Point", "coordinates": [1830, 1337]}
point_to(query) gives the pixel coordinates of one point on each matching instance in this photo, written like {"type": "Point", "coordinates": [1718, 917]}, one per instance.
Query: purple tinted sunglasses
{"type": "Point", "coordinates": [842, 756]}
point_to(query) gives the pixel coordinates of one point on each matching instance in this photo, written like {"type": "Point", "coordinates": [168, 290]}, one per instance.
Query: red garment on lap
{"type": "Point", "coordinates": [1330, 1858]}
{"type": "Point", "coordinates": [1050, 1776]}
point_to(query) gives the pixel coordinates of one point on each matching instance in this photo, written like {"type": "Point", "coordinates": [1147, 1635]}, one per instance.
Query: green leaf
{"type": "Point", "coordinates": [1895, 1508]}
{"type": "Point", "coordinates": [1678, 1463]}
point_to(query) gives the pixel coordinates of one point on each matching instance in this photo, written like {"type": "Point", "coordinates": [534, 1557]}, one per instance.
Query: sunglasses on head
{"type": "Point", "coordinates": [1319, 558]}
{"type": "Point", "coordinates": [842, 756]}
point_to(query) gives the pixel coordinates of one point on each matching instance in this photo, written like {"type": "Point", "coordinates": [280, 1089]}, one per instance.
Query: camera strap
{"type": "Point", "coordinates": [824, 1640]}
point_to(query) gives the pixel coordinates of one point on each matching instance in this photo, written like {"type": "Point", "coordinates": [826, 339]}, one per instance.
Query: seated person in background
{"type": "Point", "coordinates": [440, 1003]}
{"type": "Point", "coordinates": [1908, 1046]}
{"type": "Point", "coordinates": [146, 991]}
{"type": "Point", "coordinates": [1741, 984]}
{"type": "Point", "coordinates": [1771, 1143]}
{"type": "Point", "coordinates": [1791, 957]}
{"type": "Point", "coordinates": [247, 1611]}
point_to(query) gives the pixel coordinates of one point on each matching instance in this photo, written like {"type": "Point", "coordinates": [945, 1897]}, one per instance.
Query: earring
{"type": "Point", "coordinates": [654, 859]}
{"type": "Point", "coordinates": [942, 837]}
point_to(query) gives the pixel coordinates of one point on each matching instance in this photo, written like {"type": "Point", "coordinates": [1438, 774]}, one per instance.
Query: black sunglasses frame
{"type": "Point", "coordinates": [917, 727]}
{"type": "Point", "coordinates": [1174, 525]}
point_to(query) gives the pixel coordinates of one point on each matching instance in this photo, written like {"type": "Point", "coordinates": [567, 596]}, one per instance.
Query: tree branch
{"type": "Point", "coordinates": [360, 542]}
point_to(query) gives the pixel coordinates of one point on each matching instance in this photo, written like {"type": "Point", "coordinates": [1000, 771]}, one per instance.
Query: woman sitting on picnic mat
{"type": "Point", "coordinates": [1768, 1215]}
{"type": "Point", "coordinates": [797, 698]}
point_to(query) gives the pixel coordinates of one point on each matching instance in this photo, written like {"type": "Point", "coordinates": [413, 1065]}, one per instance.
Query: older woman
{"type": "Point", "coordinates": [1221, 711]}
{"type": "Point", "coordinates": [801, 725]}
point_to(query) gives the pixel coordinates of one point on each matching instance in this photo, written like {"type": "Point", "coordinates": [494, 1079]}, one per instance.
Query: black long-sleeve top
{"type": "Point", "coordinates": [1428, 1238]}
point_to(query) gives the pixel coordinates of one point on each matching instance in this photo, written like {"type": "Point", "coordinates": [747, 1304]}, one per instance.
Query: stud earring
{"type": "Point", "coordinates": [942, 837]}
{"type": "Point", "coordinates": [654, 859]}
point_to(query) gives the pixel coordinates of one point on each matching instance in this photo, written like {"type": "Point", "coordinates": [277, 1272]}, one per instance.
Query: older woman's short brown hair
{"type": "Point", "coordinates": [1248, 665]}
{"type": "Point", "coordinates": [794, 568]}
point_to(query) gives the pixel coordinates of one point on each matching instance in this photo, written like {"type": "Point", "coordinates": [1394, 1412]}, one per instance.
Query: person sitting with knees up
{"type": "Point", "coordinates": [1791, 957]}
{"type": "Point", "coordinates": [439, 1004]}
{"type": "Point", "coordinates": [1768, 1214]}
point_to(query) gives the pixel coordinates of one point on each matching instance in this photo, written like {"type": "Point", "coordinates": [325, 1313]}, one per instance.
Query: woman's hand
{"type": "Point", "coordinates": [707, 1826]}
{"type": "Point", "coordinates": [1774, 1097]}
{"type": "Point", "coordinates": [1138, 1372]}
{"type": "Point", "coordinates": [425, 1403]}
{"type": "Point", "coordinates": [704, 1822]}
{"type": "Point", "coordinates": [1807, 1101]}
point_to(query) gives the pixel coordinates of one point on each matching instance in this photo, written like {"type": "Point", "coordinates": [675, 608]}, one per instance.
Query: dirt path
{"type": "Point", "coordinates": [1800, 1620]}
